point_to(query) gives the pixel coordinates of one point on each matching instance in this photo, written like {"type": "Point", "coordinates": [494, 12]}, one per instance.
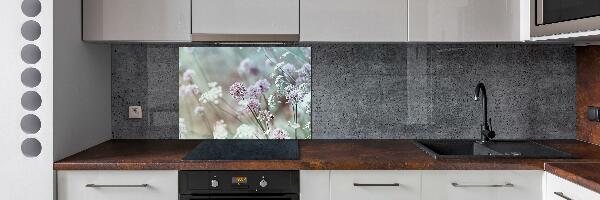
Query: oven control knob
{"type": "Point", "coordinates": [214, 183]}
{"type": "Point", "coordinates": [263, 183]}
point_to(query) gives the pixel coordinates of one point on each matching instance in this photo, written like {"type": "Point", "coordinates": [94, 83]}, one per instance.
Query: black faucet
{"type": "Point", "coordinates": [487, 134]}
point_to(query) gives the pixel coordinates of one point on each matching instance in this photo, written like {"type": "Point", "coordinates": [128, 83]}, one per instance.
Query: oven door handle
{"type": "Point", "coordinates": [241, 196]}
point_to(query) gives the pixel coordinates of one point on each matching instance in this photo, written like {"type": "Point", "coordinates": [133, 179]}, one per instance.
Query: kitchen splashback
{"type": "Point", "coordinates": [375, 91]}
{"type": "Point", "coordinates": [244, 92]}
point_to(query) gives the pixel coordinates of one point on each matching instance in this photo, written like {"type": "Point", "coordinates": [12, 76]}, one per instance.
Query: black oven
{"type": "Point", "coordinates": [234, 185]}
{"type": "Point", "coordinates": [555, 17]}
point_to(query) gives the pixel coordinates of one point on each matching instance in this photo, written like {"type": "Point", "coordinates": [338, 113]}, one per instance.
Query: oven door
{"type": "Point", "coordinates": [551, 17]}
{"type": "Point", "coordinates": [239, 197]}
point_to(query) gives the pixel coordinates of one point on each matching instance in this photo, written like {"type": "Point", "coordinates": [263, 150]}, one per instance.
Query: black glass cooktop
{"type": "Point", "coordinates": [245, 150]}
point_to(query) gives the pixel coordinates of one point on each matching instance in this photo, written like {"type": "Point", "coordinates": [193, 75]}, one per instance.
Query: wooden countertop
{"type": "Point", "coordinates": [584, 174]}
{"type": "Point", "coordinates": [314, 155]}
{"type": "Point", "coordinates": [331, 155]}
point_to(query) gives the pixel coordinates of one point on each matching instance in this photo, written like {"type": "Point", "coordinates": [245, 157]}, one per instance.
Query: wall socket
{"type": "Point", "coordinates": [135, 112]}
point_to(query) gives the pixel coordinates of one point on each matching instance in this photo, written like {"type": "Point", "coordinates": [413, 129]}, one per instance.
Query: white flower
{"type": "Point", "coordinates": [189, 90]}
{"type": "Point", "coordinates": [288, 69]}
{"type": "Point", "coordinates": [284, 55]}
{"type": "Point", "coordinates": [279, 134]}
{"type": "Point", "coordinates": [305, 103]}
{"type": "Point", "coordinates": [220, 130]}
{"type": "Point", "coordinates": [293, 94]}
{"type": "Point", "coordinates": [182, 129]}
{"type": "Point", "coordinates": [271, 102]}
{"type": "Point", "coordinates": [265, 115]}
{"type": "Point", "coordinates": [246, 132]}
{"type": "Point", "coordinates": [278, 66]}
{"type": "Point", "coordinates": [294, 125]}
{"type": "Point", "coordinates": [213, 94]}
{"type": "Point", "coordinates": [307, 126]}
{"type": "Point", "coordinates": [279, 82]}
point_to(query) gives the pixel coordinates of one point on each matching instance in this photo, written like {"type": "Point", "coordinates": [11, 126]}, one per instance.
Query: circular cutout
{"type": "Point", "coordinates": [31, 77]}
{"type": "Point", "coordinates": [31, 100]}
{"type": "Point", "coordinates": [31, 54]}
{"type": "Point", "coordinates": [31, 8]}
{"type": "Point", "coordinates": [31, 124]}
{"type": "Point", "coordinates": [31, 147]}
{"type": "Point", "coordinates": [31, 30]}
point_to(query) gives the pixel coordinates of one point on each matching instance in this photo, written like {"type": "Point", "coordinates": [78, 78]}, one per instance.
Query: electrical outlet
{"type": "Point", "coordinates": [135, 112]}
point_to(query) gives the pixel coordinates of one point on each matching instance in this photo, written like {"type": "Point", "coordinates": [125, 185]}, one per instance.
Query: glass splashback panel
{"type": "Point", "coordinates": [244, 93]}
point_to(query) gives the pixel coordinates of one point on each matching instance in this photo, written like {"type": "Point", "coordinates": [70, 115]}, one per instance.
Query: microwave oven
{"type": "Point", "coordinates": [553, 17]}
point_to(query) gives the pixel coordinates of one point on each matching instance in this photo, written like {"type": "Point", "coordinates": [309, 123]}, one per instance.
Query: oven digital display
{"type": "Point", "coordinates": [239, 180]}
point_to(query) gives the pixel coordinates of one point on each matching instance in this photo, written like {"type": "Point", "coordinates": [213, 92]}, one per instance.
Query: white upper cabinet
{"type": "Point", "coordinates": [469, 20]}
{"type": "Point", "coordinates": [354, 20]}
{"type": "Point", "coordinates": [136, 20]}
{"type": "Point", "coordinates": [245, 20]}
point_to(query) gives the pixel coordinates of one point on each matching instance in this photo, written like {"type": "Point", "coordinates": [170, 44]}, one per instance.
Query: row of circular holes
{"type": "Point", "coordinates": [31, 77]}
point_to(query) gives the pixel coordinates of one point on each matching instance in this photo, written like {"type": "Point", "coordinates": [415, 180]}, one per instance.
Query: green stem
{"type": "Point", "coordinates": [256, 118]}
{"type": "Point", "coordinates": [208, 124]}
{"type": "Point", "coordinates": [200, 69]}
{"type": "Point", "coordinates": [233, 115]}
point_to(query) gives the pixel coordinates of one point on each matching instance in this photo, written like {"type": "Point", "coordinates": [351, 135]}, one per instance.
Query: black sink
{"type": "Point", "coordinates": [470, 149]}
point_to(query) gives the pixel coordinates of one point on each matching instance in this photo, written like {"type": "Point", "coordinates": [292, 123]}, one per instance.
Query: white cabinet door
{"type": "Point", "coordinates": [482, 185]}
{"type": "Point", "coordinates": [314, 184]}
{"type": "Point", "coordinates": [245, 20]}
{"type": "Point", "coordinates": [375, 185]}
{"type": "Point", "coordinates": [136, 20]}
{"type": "Point", "coordinates": [117, 185]}
{"type": "Point", "coordinates": [560, 189]}
{"type": "Point", "coordinates": [468, 20]}
{"type": "Point", "coordinates": [354, 20]}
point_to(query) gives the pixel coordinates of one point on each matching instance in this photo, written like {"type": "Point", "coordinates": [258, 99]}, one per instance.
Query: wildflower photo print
{"type": "Point", "coordinates": [244, 93]}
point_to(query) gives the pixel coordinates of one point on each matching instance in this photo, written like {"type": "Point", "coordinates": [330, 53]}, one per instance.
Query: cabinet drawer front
{"type": "Point", "coordinates": [477, 185]}
{"type": "Point", "coordinates": [375, 185]}
{"type": "Point", "coordinates": [560, 189]}
{"type": "Point", "coordinates": [245, 17]}
{"type": "Point", "coordinates": [117, 185]}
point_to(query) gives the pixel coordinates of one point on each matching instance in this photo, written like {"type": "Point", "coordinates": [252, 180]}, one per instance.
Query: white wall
{"type": "Point", "coordinates": [82, 109]}
{"type": "Point", "coordinates": [21, 177]}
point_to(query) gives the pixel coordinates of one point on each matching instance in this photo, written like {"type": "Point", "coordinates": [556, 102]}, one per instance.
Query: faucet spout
{"type": "Point", "coordinates": [486, 133]}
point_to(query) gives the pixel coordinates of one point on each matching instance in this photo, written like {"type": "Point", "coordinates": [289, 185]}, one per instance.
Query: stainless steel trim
{"type": "Point", "coordinates": [492, 185]}
{"type": "Point", "coordinates": [562, 195]}
{"type": "Point", "coordinates": [376, 184]}
{"type": "Point", "coordinates": [539, 12]}
{"type": "Point", "coordinates": [210, 37]}
{"type": "Point", "coordinates": [115, 186]}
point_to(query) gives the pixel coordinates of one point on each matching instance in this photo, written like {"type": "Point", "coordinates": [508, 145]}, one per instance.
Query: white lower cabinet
{"type": "Point", "coordinates": [560, 189]}
{"type": "Point", "coordinates": [482, 185]}
{"type": "Point", "coordinates": [314, 184]}
{"type": "Point", "coordinates": [375, 185]}
{"type": "Point", "coordinates": [117, 185]}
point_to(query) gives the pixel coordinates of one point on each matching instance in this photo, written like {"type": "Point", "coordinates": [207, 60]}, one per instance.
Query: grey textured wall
{"type": "Point", "coordinates": [384, 90]}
